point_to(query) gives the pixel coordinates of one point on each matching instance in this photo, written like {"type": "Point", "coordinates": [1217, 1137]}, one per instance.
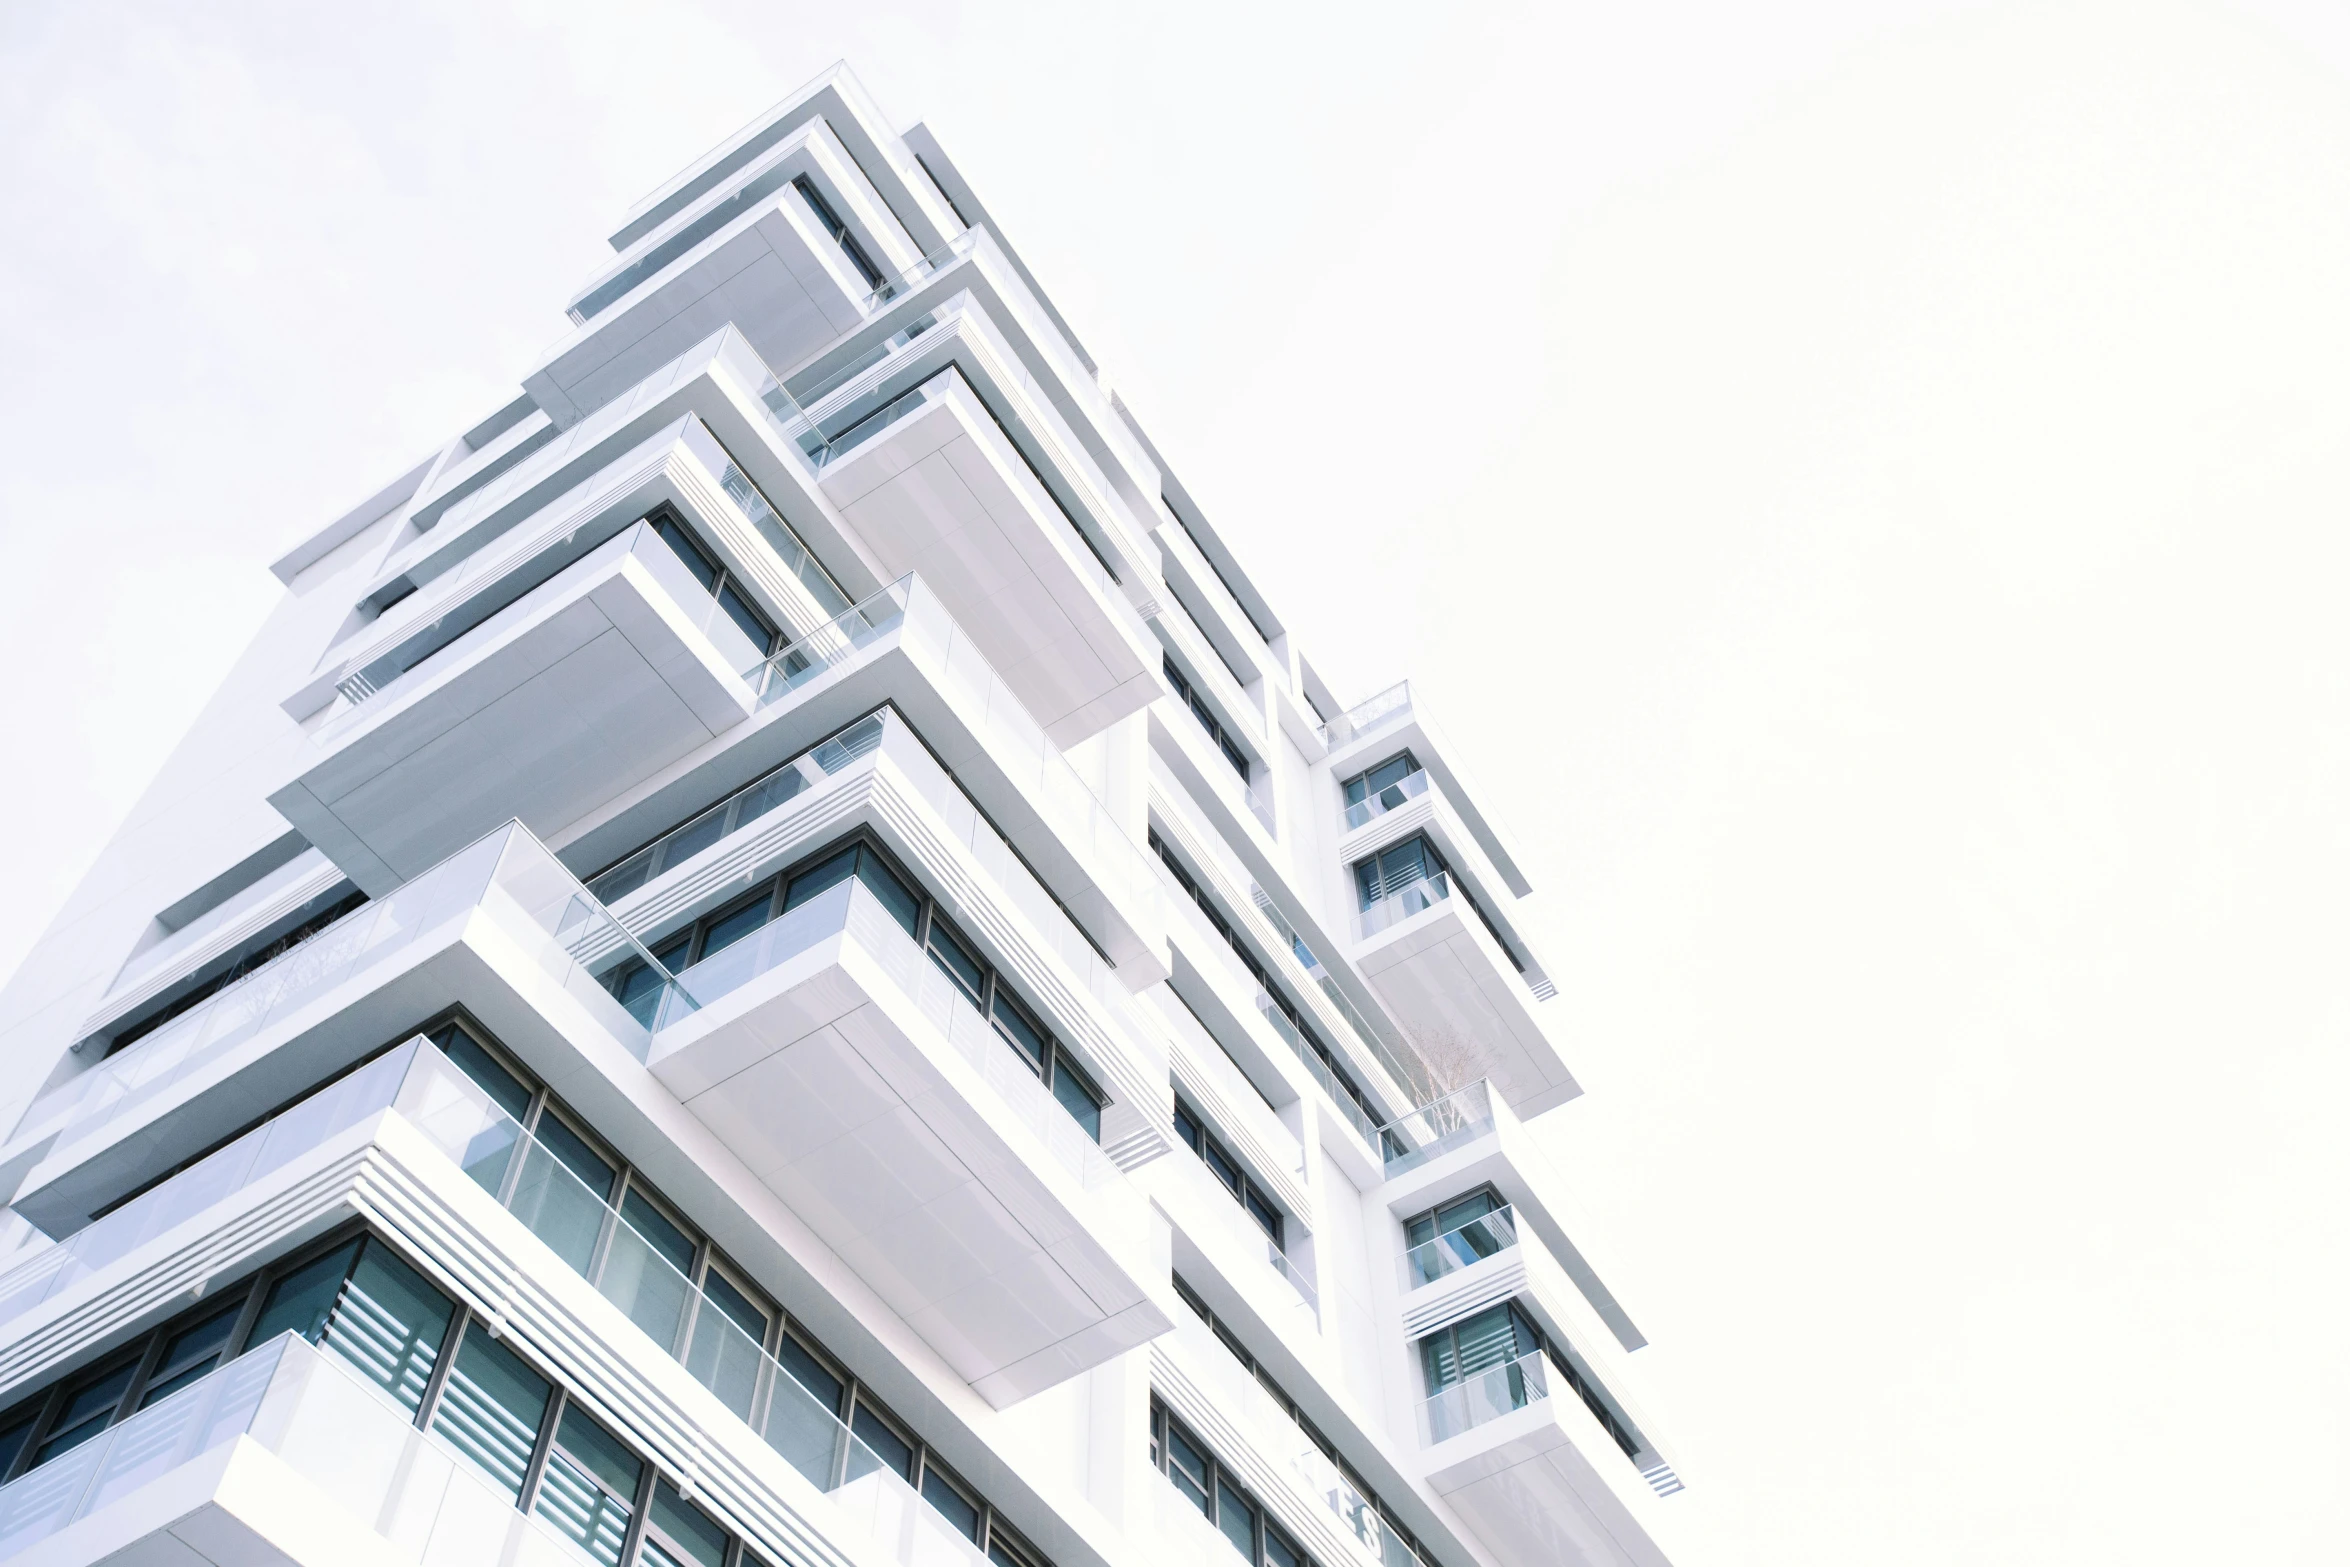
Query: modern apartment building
{"type": "Point", "coordinates": [774, 957]}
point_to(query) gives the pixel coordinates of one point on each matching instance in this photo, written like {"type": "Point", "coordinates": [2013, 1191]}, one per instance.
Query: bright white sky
{"type": "Point", "coordinates": [1865, 482]}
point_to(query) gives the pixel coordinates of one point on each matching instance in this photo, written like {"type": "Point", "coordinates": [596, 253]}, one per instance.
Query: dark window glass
{"type": "Point", "coordinates": [89, 1409]}
{"type": "Point", "coordinates": [735, 1306]}
{"type": "Point", "coordinates": [1077, 1096]}
{"type": "Point", "coordinates": [951, 1504]}
{"type": "Point", "coordinates": [1233, 754]}
{"type": "Point", "coordinates": [504, 1090]}
{"type": "Point", "coordinates": [1279, 1552]}
{"type": "Point", "coordinates": [572, 1149]}
{"type": "Point", "coordinates": [188, 1354]}
{"type": "Point", "coordinates": [1236, 1518]}
{"type": "Point", "coordinates": [884, 884]}
{"type": "Point", "coordinates": [1014, 1026]}
{"type": "Point", "coordinates": [664, 1237]}
{"type": "Point", "coordinates": [304, 1300]}
{"type": "Point", "coordinates": [588, 1490]}
{"type": "Point", "coordinates": [689, 1534]}
{"type": "Point", "coordinates": [390, 1325]}
{"type": "Point", "coordinates": [705, 569]}
{"type": "Point", "coordinates": [1187, 1466]}
{"type": "Point", "coordinates": [1267, 1216]}
{"type": "Point", "coordinates": [751, 623]}
{"type": "Point", "coordinates": [491, 1411]}
{"type": "Point", "coordinates": [1392, 771]}
{"type": "Point", "coordinates": [1186, 1128]}
{"type": "Point", "coordinates": [1221, 1163]}
{"type": "Point", "coordinates": [820, 878]}
{"type": "Point", "coordinates": [729, 928]}
{"type": "Point", "coordinates": [956, 961]}
{"type": "Point", "coordinates": [695, 836]}
{"type": "Point", "coordinates": [810, 1373]}
{"type": "Point", "coordinates": [887, 1445]}
{"type": "Point", "coordinates": [13, 1432]}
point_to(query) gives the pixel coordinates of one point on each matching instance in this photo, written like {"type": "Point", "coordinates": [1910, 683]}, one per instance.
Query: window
{"type": "Point", "coordinates": [1502, 1337]}
{"type": "Point", "coordinates": [492, 1409]}
{"type": "Point", "coordinates": [721, 584]}
{"type": "Point", "coordinates": [589, 1485]}
{"type": "Point", "coordinates": [1404, 878]}
{"type": "Point", "coordinates": [356, 1297]}
{"type": "Point", "coordinates": [257, 957]}
{"type": "Point", "coordinates": [1454, 1216]}
{"type": "Point", "coordinates": [670, 1281]}
{"type": "Point", "coordinates": [839, 231]}
{"type": "Point", "coordinates": [735, 812]}
{"type": "Point", "coordinates": [1200, 1479]}
{"type": "Point", "coordinates": [1248, 960]}
{"type": "Point", "coordinates": [1396, 868]}
{"type": "Point", "coordinates": [1365, 1514]}
{"type": "Point", "coordinates": [950, 951]}
{"type": "Point", "coordinates": [1385, 776]}
{"type": "Point", "coordinates": [188, 1354]}
{"type": "Point", "coordinates": [1193, 1133]}
{"type": "Point", "coordinates": [1207, 719]}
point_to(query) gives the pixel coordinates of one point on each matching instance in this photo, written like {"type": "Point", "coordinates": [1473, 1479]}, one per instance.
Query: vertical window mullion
{"type": "Point", "coordinates": [557, 1402]}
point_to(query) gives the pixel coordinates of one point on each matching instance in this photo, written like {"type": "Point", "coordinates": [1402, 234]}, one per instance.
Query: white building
{"type": "Point", "coordinates": [774, 957]}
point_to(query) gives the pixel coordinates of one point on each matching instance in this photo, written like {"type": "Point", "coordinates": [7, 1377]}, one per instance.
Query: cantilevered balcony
{"type": "Point", "coordinates": [538, 693]}
{"type": "Point", "coordinates": [934, 483]}
{"type": "Point", "coordinates": [432, 1162]}
{"type": "Point", "coordinates": [790, 254]}
{"type": "Point", "coordinates": [849, 1072]}
{"type": "Point", "coordinates": [500, 928]}
{"type": "Point", "coordinates": [1436, 934]}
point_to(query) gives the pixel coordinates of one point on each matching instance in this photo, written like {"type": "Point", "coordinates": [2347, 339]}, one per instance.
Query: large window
{"type": "Point", "coordinates": [641, 1254]}
{"type": "Point", "coordinates": [1378, 780]}
{"type": "Point", "coordinates": [1014, 1021]}
{"type": "Point", "coordinates": [840, 232]}
{"type": "Point", "coordinates": [1288, 1009]}
{"type": "Point", "coordinates": [1203, 1481]}
{"type": "Point", "coordinates": [722, 584]}
{"type": "Point", "coordinates": [246, 962]}
{"type": "Point", "coordinates": [1404, 878]}
{"type": "Point", "coordinates": [1495, 1343]}
{"type": "Point", "coordinates": [1194, 1134]}
{"type": "Point", "coordinates": [1369, 1517]}
{"type": "Point", "coordinates": [1207, 719]}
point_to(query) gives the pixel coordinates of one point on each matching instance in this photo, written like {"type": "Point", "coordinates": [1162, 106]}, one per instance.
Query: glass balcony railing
{"type": "Point", "coordinates": [1463, 1246]}
{"type": "Point", "coordinates": [1340, 1100]}
{"type": "Point", "coordinates": [1388, 707]}
{"type": "Point", "coordinates": [1370, 808]}
{"type": "Point", "coordinates": [914, 276]}
{"type": "Point", "coordinates": [1488, 1395]}
{"type": "Point", "coordinates": [507, 874]}
{"type": "Point", "coordinates": [1396, 904]}
{"type": "Point", "coordinates": [217, 1176]}
{"type": "Point", "coordinates": [738, 810]}
{"type": "Point", "coordinates": [698, 603]}
{"type": "Point", "coordinates": [1433, 1130]}
{"type": "Point", "coordinates": [850, 908]}
{"type": "Point", "coordinates": [215, 1409]}
{"type": "Point", "coordinates": [832, 644]}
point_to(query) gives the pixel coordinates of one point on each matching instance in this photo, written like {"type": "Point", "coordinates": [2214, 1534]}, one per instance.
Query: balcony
{"type": "Point", "coordinates": [1217, 1240]}
{"type": "Point", "coordinates": [849, 1073]}
{"type": "Point", "coordinates": [618, 664]}
{"type": "Point", "coordinates": [934, 484]}
{"type": "Point", "coordinates": [500, 928]}
{"type": "Point", "coordinates": [1534, 1474]}
{"type": "Point", "coordinates": [1432, 948]}
{"type": "Point", "coordinates": [757, 254]}
{"type": "Point", "coordinates": [754, 1434]}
